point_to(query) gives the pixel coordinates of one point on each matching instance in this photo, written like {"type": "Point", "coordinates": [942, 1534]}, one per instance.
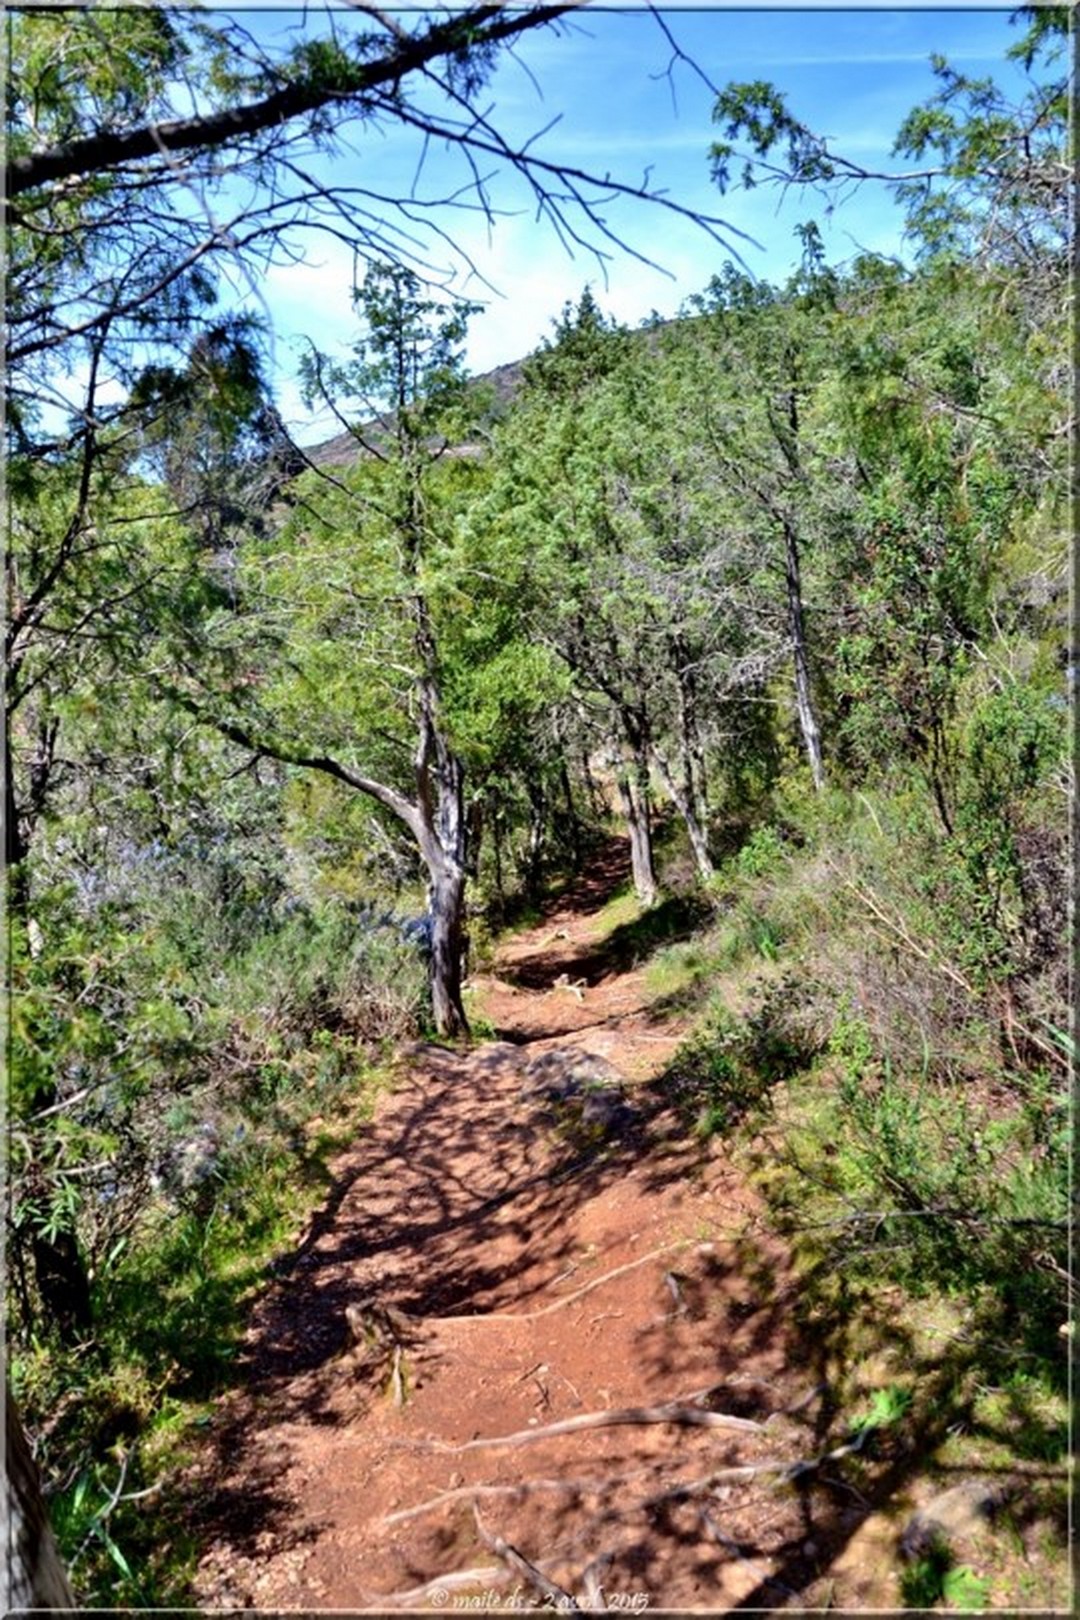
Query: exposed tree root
{"type": "Point", "coordinates": [438, 1590]}
{"type": "Point", "coordinates": [712, 1529]}
{"type": "Point", "coordinates": [468, 1493]}
{"type": "Point", "coordinates": [785, 1470]}
{"type": "Point", "coordinates": [671, 1412]}
{"type": "Point", "coordinates": [521, 1565]}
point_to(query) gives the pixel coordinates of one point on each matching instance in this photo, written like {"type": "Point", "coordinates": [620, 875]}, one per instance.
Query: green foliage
{"type": "Point", "coordinates": [960, 1195]}
{"type": "Point", "coordinates": [143, 1059]}
{"type": "Point", "coordinates": [215, 1102]}
{"type": "Point", "coordinates": [758, 110]}
{"type": "Point", "coordinates": [888, 1408]}
{"type": "Point", "coordinates": [408, 361]}
{"type": "Point", "coordinates": [61, 81]}
{"type": "Point", "coordinates": [727, 1070]}
{"type": "Point", "coordinates": [761, 854]}
{"type": "Point", "coordinates": [935, 1576]}
{"type": "Point", "coordinates": [607, 594]}
{"type": "Point", "coordinates": [991, 168]}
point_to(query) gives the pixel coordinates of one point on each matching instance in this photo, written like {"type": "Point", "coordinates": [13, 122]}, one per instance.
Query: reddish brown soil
{"type": "Point", "coordinates": [467, 1208]}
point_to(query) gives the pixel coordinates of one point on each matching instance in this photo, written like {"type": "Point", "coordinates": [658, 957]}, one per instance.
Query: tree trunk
{"type": "Point", "coordinates": [804, 702]}
{"type": "Point", "coordinates": [537, 824]}
{"type": "Point", "coordinates": [599, 806]}
{"type": "Point", "coordinates": [15, 850]}
{"type": "Point", "coordinates": [789, 437]}
{"type": "Point", "coordinates": [33, 1573]}
{"type": "Point", "coordinates": [497, 857]}
{"type": "Point", "coordinates": [573, 820]}
{"type": "Point", "coordinates": [683, 800]}
{"type": "Point", "coordinates": [442, 832]}
{"type": "Point", "coordinates": [446, 898]}
{"type": "Point", "coordinates": [59, 1271]}
{"type": "Point", "coordinates": [695, 785]}
{"type": "Point", "coordinates": [633, 795]}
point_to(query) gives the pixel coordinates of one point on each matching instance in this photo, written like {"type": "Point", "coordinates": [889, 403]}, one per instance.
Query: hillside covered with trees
{"type": "Point", "coordinates": [775, 594]}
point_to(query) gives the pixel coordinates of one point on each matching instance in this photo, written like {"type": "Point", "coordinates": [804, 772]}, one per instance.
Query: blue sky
{"type": "Point", "coordinates": [850, 74]}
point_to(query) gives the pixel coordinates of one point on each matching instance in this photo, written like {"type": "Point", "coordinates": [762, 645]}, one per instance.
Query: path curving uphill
{"type": "Point", "coordinates": [523, 1350]}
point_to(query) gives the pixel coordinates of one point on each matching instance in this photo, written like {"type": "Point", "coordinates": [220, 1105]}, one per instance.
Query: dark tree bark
{"type": "Point", "coordinates": [691, 753]}
{"type": "Point", "coordinates": [33, 1574]}
{"type": "Point", "coordinates": [495, 820]}
{"type": "Point", "coordinates": [15, 850]}
{"type": "Point", "coordinates": [632, 778]}
{"type": "Point", "coordinates": [447, 953]}
{"type": "Point", "coordinates": [537, 826]}
{"type": "Point", "coordinates": [598, 803]}
{"type": "Point", "coordinates": [788, 436]}
{"type": "Point", "coordinates": [573, 820]}
{"type": "Point", "coordinates": [59, 1272]}
{"type": "Point", "coordinates": [63, 1283]}
{"type": "Point", "coordinates": [441, 833]}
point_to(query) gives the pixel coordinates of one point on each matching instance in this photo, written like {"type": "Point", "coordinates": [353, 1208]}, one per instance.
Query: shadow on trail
{"type": "Point", "coordinates": [627, 946]}
{"type": "Point", "coordinates": [460, 1200]}
{"type": "Point", "coordinates": [837, 1499]}
{"type": "Point", "coordinates": [587, 892]}
{"type": "Point", "coordinates": [494, 1235]}
{"type": "Point", "coordinates": [457, 1202]}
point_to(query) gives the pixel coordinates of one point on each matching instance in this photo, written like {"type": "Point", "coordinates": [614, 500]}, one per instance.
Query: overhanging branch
{"type": "Point", "coordinates": [272, 748]}
{"type": "Point", "coordinates": [110, 149]}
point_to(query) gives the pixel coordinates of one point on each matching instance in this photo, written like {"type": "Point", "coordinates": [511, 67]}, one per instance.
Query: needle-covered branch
{"type": "Point", "coordinates": [471, 31]}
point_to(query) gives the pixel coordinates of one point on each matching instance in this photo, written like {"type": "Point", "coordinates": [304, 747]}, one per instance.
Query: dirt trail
{"type": "Point", "coordinates": [504, 1274]}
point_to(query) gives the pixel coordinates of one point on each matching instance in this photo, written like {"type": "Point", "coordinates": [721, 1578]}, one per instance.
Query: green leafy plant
{"type": "Point", "coordinates": [962, 1588]}
{"type": "Point", "coordinates": [934, 1577]}
{"type": "Point", "coordinates": [728, 1069]}
{"type": "Point", "coordinates": [888, 1407]}
{"type": "Point", "coordinates": [761, 854]}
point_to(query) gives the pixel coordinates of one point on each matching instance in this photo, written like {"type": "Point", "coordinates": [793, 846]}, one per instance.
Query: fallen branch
{"type": "Point", "coordinates": [672, 1412]}
{"type": "Point", "coordinates": [517, 1562]}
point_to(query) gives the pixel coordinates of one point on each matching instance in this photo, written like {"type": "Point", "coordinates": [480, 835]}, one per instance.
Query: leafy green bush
{"type": "Point", "coordinates": [762, 853]}
{"type": "Point", "coordinates": [728, 1068]}
{"type": "Point", "coordinates": [962, 1193]}
{"type": "Point", "coordinates": [166, 1063]}
{"type": "Point", "coordinates": [935, 1576]}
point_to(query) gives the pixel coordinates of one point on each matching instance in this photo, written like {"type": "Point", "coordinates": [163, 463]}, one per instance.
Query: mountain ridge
{"type": "Point", "coordinates": [345, 449]}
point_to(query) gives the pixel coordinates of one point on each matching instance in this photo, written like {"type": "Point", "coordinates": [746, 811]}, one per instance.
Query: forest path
{"type": "Point", "coordinates": [506, 1270]}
